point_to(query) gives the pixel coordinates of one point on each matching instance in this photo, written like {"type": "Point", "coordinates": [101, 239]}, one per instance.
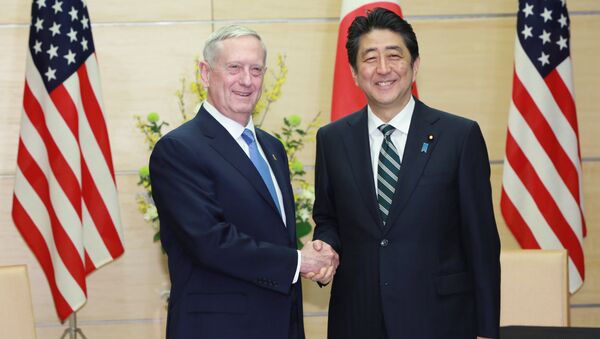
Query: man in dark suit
{"type": "Point", "coordinates": [226, 208]}
{"type": "Point", "coordinates": [403, 195]}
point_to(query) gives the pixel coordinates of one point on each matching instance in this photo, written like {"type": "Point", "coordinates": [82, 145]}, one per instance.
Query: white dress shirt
{"type": "Point", "coordinates": [401, 122]}
{"type": "Point", "coordinates": [236, 130]}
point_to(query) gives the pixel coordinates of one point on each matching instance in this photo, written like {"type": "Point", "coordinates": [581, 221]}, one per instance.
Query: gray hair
{"type": "Point", "coordinates": [211, 45]}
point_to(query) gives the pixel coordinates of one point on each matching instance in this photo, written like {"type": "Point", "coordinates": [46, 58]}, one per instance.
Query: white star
{"type": "Point", "coordinates": [544, 59]}
{"type": "Point", "coordinates": [84, 4]}
{"type": "Point", "coordinates": [84, 45]}
{"type": "Point", "coordinates": [37, 47]}
{"type": "Point", "coordinates": [52, 51]}
{"type": "Point", "coordinates": [526, 32]}
{"type": "Point", "coordinates": [528, 10]}
{"type": "Point", "coordinates": [51, 74]}
{"type": "Point", "coordinates": [562, 20]}
{"type": "Point", "coordinates": [41, 3]}
{"type": "Point", "coordinates": [72, 35]}
{"type": "Point", "coordinates": [562, 43]}
{"type": "Point", "coordinates": [70, 57]}
{"type": "Point", "coordinates": [563, 2]}
{"type": "Point", "coordinates": [84, 22]}
{"type": "Point", "coordinates": [545, 37]}
{"type": "Point", "coordinates": [73, 14]}
{"type": "Point", "coordinates": [57, 6]}
{"type": "Point", "coordinates": [547, 15]}
{"type": "Point", "coordinates": [39, 24]}
{"type": "Point", "coordinates": [55, 29]}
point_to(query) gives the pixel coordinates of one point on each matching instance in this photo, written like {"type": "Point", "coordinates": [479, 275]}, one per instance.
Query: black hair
{"type": "Point", "coordinates": [380, 18]}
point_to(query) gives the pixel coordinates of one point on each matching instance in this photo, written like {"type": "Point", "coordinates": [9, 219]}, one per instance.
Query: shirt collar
{"type": "Point", "coordinates": [232, 126]}
{"type": "Point", "coordinates": [400, 121]}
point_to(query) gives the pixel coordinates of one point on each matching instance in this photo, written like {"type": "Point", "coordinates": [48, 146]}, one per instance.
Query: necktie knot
{"type": "Point", "coordinates": [248, 136]}
{"type": "Point", "coordinates": [387, 130]}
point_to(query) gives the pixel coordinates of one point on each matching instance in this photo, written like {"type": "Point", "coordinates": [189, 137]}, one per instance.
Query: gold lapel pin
{"type": "Point", "coordinates": [274, 157]}
{"type": "Point", "coordinates": [430, 137]}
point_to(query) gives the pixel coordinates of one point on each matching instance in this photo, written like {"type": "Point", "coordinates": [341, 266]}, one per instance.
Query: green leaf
{"type": "Point", "coordinates": [156, 236]}
{"type": "Point", "coordinates": [303, 229]}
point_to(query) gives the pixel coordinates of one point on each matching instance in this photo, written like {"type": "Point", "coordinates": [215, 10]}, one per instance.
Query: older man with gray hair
{"type": "Point", "coordinates": [226, 207]}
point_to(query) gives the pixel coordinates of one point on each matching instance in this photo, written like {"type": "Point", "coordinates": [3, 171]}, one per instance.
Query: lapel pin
{"type": "Point", "coordinates": [424, 147]}
{"type": "Point", "coordinates": [274, 157]}
{"type": "Point", "coordinates": [430, 137]}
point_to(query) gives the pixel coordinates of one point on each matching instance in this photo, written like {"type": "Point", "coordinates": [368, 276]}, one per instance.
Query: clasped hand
{"type": "Point", "coordinates": [319, 261]}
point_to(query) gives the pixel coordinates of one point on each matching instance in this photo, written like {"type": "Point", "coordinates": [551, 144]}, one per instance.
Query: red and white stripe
{"type": "Point", "coordinates": [65, 201]}
{"type": "Point", "coordinates": [347, 97]}
{"type": "Point", "coordinates": [542, 198]}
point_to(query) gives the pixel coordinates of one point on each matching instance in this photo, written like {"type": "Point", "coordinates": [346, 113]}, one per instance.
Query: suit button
{"type": "Point", "coordinates": [384, 243]}
{"type": "Point", "coordinates": [386, 284]}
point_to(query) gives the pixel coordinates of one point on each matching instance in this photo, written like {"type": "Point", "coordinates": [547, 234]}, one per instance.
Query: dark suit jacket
{"type": "Point", "coordinates": [433, 272]}
{"type": "Point", "coordinates": [231, 258]}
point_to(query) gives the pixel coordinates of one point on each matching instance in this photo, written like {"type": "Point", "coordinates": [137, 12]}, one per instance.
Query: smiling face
{"type": "Point", "coordinates": [234, 80]}
{"type": "Point", "coordinates": [385, 72]}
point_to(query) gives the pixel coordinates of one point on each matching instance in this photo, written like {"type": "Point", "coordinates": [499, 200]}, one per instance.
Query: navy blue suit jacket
{"type": "Point", "coordinates": [433, 271]}
{"type": "Point", "coordinates": [231, 258]}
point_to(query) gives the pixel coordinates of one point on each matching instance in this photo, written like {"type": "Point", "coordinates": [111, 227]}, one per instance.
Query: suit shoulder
{"type": "Point", "coordinates": [339, 124]}
{"type": "Point", "coordinates": [449, 119]}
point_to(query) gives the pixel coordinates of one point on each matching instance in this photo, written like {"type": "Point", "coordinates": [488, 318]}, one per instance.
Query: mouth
{"type": "Point", "coordinates": [385, 84]}
{"type": "Point", "coordinates": [242, 93]}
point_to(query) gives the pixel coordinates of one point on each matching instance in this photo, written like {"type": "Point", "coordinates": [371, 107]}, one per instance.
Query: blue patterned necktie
{"type": "Point", "coordinates": [388, 169]}
{"type": "Point", "coordinates": [261, 165]}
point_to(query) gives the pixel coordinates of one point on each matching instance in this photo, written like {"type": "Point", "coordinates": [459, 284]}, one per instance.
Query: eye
{"type": "Point", "coordinates": [234, 68]}
{"type": "Point", "coordinates": [370, 59]}
{"type": "Point", "coordinates": [256, 70]}
{"type": "Point", "coordinates": [395, 56]}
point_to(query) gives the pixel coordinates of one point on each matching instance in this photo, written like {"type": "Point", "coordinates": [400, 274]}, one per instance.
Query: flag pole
{"type": "Point", "coordinates": [72, 330]}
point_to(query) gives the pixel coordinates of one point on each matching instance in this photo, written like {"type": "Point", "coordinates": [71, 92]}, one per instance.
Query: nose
{"type": "Point", "coordinates": [245, 77]}
{"type": "Point", "coordinates": [382, 66]}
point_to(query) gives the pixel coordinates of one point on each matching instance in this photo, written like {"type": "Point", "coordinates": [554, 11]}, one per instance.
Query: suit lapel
{"type": "Point", "coordinates": [278, 164]}
{"type": "Point", "coordinates": [359, 154]}
{"type": "Point", "coordinates": [420, 144]}
{"type": "Point", "coordinates": [231, 151]}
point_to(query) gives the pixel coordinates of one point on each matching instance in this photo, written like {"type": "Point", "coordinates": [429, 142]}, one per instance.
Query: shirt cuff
{"type": "Point", "coordinates": [296, 275]}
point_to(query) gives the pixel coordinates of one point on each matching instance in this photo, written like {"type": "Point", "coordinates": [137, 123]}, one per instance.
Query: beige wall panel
{"type": "Point", "coordinates": [273, 9]}
{"type": "Point", "coordinates": [466, 69]}
{"type": "Point", "coordinates": [316, 299]}
{"type": "Point", "coordinates": [141, 67]}
{"type": "Point", "coordinates": [467, 65]}
{"type": "Point", "coordinates": [12, 68]}
{"type": "Point", "coordinates": [129, 288]}
{"type": "Point", "coordinates": [585, 317]}
{"type": "Point", "coordinates": [436, 7]}
{"type": "Point", "coordinates": [585, 48]}
{"type": "Point", "coordinates": [315, 327]}
{"type": "Point", "coordinates": [19, 11]}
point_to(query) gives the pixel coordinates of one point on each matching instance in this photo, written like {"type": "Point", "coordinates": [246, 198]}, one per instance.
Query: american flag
{"type": "Point", "coordinates": [542, 198]}
{"type": "Point", "coordinates": [347, 98]}
{"type": "Point", "coordinates": [65, 201]}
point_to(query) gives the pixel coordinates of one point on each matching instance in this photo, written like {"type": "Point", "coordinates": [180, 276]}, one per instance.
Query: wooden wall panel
{"type": "Point", "coordinates": [585, 48]}
{"type": "Point", "coordinates": [466, 69]}
{"type": "Point", "coordinates": [273, 9]}
{"type": "Point", "coordinates": [12, 69]}
{"type": "Point", "coordinates": [128, 289]}
{"type": "Point", "coordinates": [19, 11]}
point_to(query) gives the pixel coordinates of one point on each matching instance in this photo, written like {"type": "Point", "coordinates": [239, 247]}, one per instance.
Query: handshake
{"type": "Point", "coordinates": [319, 261]}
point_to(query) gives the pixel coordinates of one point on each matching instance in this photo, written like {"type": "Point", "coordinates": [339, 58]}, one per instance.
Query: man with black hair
{"type": "Point", "coordinates": [403, 195]}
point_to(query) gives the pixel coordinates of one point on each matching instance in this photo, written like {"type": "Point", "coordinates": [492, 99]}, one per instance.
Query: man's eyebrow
{"type": "Point", "coordinates": [391, 47]}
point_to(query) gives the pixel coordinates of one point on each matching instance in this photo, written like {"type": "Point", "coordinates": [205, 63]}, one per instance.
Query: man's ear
{"type": "Point", "coordinates": [204, 73]}
{"type": "Point", "coordinates": [353, 72]}
{"type": "Point", "coordinates": [415, 68]}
